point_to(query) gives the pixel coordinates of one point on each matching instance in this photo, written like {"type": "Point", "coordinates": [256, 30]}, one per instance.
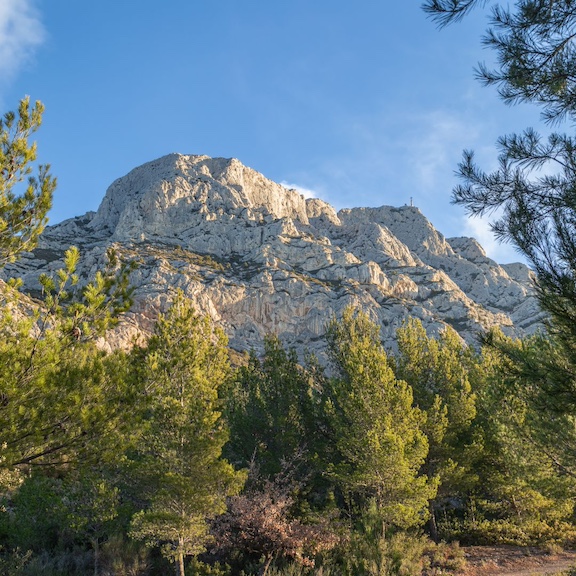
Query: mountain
{"type": "Point", "coordinates": [259, 258]}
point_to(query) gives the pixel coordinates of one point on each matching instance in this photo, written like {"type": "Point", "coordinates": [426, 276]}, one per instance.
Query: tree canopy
{"type": "Point", "coordinates": [376, 430]}
{"type": "Point", "coordinates": [532, 193]}
{"type": "Point", "coordinates": [536, 57]}
{"type": "Point", "coordinates": [22, 215]}
{"type": "Point", "coordinates": [181, 369]}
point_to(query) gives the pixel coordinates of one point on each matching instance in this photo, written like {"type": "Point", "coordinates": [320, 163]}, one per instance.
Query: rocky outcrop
{"type": "Point", "coordinates": [260, 258]}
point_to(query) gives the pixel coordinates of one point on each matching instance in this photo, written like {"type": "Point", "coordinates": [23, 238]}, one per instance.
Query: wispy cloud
{"type": "Point", "coordinates": [394, 157]}
{"type": "Point", "coordinates": [21, 31]}
{"type": "Point", "coordinates": [479, 228]}
{"type": "Point", "coordinates": [306, 192]}
{"type": "Point", "coordinates": [435, 147]}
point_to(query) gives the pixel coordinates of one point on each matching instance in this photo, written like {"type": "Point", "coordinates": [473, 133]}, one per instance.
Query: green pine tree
{"type": "Point", "coordinates": [271, 411]}
{"type": "Point", "coordinates": [61, 399]}
{"type": "Point", "coordinates": [437, 369]}
{"type": "Point", "coordinates": [22, 216]}
{"type": "Point", "coordinates": [375, 431]}
{"type": "Point", "coordinates": [182, 369]}
{"type": "Point", "coordinates": [523, 494]}
{"type": "Point", "coordinates": [533, 191]}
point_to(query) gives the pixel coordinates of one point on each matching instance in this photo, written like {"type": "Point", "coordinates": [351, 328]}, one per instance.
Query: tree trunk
{"type": "Point", "coordinates": [96, 549]}
{"type": "Point", "coordinates": [432, 524]}
{"type": "Point", "coordinates": [180, 567]}
{"type": "Point", "coordinates": [267, 564]}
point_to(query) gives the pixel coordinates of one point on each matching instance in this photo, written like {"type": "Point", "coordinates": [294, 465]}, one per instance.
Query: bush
{"type": "Point", "coordinates": [399, 554]}
{"type": "Point", "coordinates": [120, 557]}
{"type": "Point", "coordinates": [74, 562]}
{"type": "Point", "coordinates": [506, 531]}
{"type": "Point", "coordinates": [440, 559]}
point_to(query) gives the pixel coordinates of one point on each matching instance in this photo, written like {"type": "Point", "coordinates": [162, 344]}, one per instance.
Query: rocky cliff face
{"type": "Point", "coordinates": [260, 258]}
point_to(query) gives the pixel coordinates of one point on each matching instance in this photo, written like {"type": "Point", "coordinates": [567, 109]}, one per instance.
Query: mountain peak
{"type": "Point", "coordinates": [159, 197]}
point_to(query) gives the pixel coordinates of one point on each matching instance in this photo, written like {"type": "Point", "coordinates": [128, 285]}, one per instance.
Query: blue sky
{"type": "Point", "coordinates": [364, 103]}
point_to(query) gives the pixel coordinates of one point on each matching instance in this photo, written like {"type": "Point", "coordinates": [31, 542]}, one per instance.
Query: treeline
{"type": "Point", "coordinates": [167, 458]}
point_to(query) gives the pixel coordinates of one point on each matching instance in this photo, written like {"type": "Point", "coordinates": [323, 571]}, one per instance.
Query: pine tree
{"type": "Point", "coordinates": [271, 411]}
{"type": "Point", "coordinates": [61, 399]}
{"type": "Point", "coordinates": [376, 433]}
{"type": "Point", "coordinates": [524, 489]}
{"type": "Point", "coordinates": [22, 216]}
{"type": "Point", "coordinates": [437, 369]}
{"type": "Point", "coordinates": [533, 190]}
{"type": "Point", "coordinates": [182, 369]}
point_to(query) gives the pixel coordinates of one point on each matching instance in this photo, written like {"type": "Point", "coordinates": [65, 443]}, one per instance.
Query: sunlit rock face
{"type": "Point", "coordinates": [261, 259]}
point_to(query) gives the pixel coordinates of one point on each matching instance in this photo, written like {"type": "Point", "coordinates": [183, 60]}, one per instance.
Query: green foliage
{"type": "Point", "coordinates": [198, 568]}
{"type": "Point", "coordinates": [123, 557]}
{"type": "Point", "coordinates": [271, 411]}
{"type": "Point", "coordinates": [401, 554]}
{"type": "Point", "coordinates": [62, 399]}
{"type": "Point", "coordinates": [87, 311]}
{"type": "Point", "coordinates": [539, 380]}
{"type": "Point", "coordinates": [36, 514]}
{"type": "Point", "coordinates": [510, 532]}
{"type": "Point", "coordinates": [62, 405]}
{"type": "Point", "coordinates": [373, 554]}
{"type": "Point", "coordinates": [91, 504]}
{"type": "Point", "coordinates": [186, 480]}
{"type": "Point", "coordinates": [22, 216]}
{"type": "Point", "coordinates": [520, 496]}
{"type": "Point", "coordinates": [438, 370]}
{"type": "Point", "coordinates": [534, 404]}
{"type": "Point", "coordinates": [535, 52]}
{"type": "Point", "coordinates": [74, 562]}
{"type": "Point", "coordinates": [376, 433]}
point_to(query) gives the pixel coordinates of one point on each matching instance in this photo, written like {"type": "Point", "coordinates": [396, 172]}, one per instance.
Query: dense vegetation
{"type": "Point", "coordinates": [531, 195]}
{"type": "Point", "coordinates": [127, 462]}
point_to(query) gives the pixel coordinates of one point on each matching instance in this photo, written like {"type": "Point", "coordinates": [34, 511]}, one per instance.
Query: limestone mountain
{"type": "Point", "coordinates": [261, 259]}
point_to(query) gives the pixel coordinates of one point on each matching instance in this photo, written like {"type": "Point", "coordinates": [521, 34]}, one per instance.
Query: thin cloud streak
{"type": "Point", "coordinates": [21, 31]}
{"type": "Point", "coordinates": [394, 158]}
{"type": "Point", "coordinates": [306, 192]}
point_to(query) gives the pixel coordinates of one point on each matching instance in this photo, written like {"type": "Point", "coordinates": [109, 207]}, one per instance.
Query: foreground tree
{"type": "Point", "coordinates": [22, 216]}
{"type": "Point", "coordinates": [535, 374]}
{"type": "Point", "coordinates": [375, 431]}
{"type": "Point", "coordinates": [186, 479]}
{"type": "Point", "coordinates": [54, 384]}
{"type": "Point", "coordinates": [62, 401]}
{"type": "Point", "coordinates": [536, 50]}
{"type": "Point", "coordinates": [533, 188]}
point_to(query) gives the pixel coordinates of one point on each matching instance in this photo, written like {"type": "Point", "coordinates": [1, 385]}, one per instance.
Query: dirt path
{"type": "Point", "coordinates": [553, 568]}
{"type": "Point", "coordinates": [515, 561]}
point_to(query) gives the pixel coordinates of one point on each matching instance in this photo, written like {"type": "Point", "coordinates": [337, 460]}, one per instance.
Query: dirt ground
{"type": "Point", "coordinates": [515, 561]}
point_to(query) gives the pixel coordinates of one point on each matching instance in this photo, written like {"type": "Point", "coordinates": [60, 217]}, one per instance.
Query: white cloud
{"type": "Point", "coordinates": [306, 192]}
{"type": "Point", "coordinates": [479, 228]}
{"type": "Point", "coordinates": [21, 31]}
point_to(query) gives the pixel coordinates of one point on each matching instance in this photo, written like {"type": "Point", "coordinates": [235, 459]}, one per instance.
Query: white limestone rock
{"type": "Point", "coordinates": [259, 258]}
